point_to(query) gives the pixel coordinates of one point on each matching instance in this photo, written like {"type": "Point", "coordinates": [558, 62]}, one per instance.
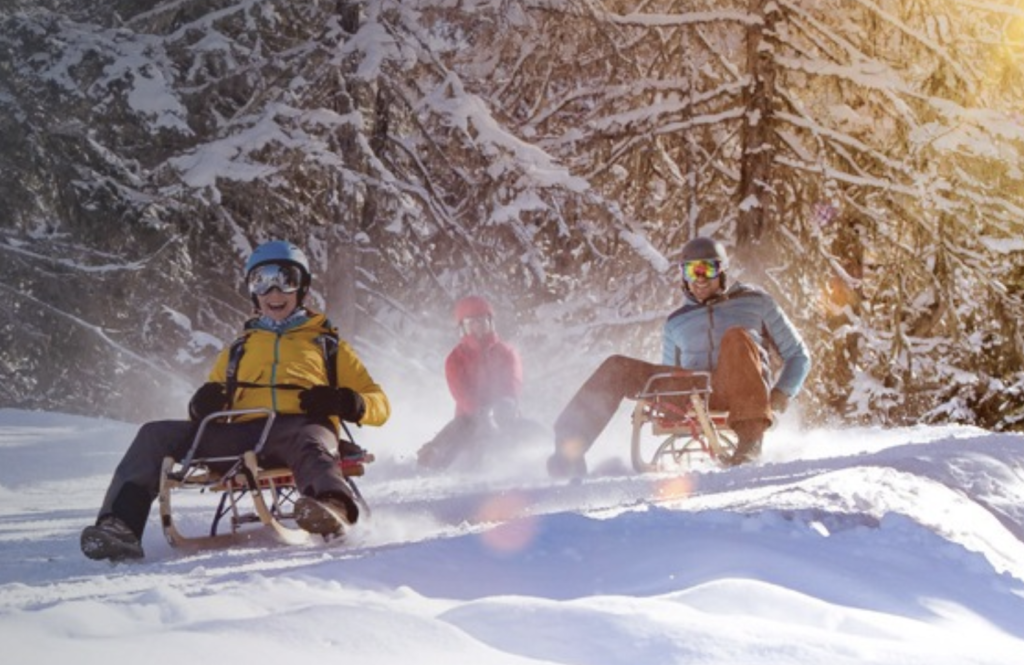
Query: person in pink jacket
{"type": "Point", "coordinates": [485, 377]}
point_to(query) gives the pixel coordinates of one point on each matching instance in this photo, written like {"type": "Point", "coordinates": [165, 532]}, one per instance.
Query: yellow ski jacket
{"type": "Point", "coordinates": [275, 366]}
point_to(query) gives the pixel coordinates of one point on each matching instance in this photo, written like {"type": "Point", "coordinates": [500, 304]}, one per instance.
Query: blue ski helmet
{"type": "Point", "coordinates": [281, 251]}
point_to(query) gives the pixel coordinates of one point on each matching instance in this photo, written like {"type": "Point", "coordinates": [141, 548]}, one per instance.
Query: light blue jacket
{"type": "Point", "coordinates": [693, 334]}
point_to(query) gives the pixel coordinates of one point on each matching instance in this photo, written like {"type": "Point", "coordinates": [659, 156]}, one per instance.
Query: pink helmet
{"type": "Point", "coordinates": [472, 306]}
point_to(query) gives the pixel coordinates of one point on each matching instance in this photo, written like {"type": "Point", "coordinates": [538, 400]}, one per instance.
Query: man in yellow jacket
{"type": "Point", "coordinates": [281, 364]}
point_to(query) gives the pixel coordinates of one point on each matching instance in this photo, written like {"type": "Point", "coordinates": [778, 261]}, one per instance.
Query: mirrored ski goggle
{"type": "Point", "coordinates": [693, 270]}
{"type": "Point", "coordinates": [269, 276]}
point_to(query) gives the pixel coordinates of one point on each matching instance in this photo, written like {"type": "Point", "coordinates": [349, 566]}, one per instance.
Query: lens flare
{"type": "Point", "coordinates": [678, 487]}
{"type": "Point", "coordinates": [515, 531]}
{"type": "Point", "coordinates": [572, 448]}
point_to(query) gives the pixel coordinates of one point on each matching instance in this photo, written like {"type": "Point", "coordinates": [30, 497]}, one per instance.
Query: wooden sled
{"type": "Point", "coordinates": [253, 499]}
{"type": "Point", "coordinates": [674, 429]}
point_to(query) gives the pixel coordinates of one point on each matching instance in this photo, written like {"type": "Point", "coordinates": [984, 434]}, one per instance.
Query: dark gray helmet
{"type": "Point", "coordinates": [705, 248]}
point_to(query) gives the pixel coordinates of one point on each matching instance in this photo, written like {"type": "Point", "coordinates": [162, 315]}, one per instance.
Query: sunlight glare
{"type": "Point", "coordinates": [678, 487]}
{"type": "Point", "coordinates": [515, 530]}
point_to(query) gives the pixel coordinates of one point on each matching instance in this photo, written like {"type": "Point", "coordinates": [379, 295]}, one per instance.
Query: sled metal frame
{"type": "Point", "coordinates": [249, 494]}
{"type": "Point", "coordinates": [680, 422]}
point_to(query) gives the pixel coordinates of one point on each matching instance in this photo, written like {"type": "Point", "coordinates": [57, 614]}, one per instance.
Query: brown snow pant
{"type": "Point", "coordinates": [737, 386]}
{"type": "Point", "coordinates": [301, 443]}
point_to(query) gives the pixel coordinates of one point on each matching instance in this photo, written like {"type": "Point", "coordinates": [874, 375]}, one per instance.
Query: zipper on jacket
{"type": "Point", "coordinates": [273, 371]}
{"type": "Point", "coordinates": [711, 336]}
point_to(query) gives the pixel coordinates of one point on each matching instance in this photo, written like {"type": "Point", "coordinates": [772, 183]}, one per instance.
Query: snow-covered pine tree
{"type": "Point", "coordinates": [555, 155]}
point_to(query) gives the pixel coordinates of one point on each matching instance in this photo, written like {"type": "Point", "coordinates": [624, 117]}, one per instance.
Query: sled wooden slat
{"type": "Point", "coordinates": [249, 495]}
{"type": "Point", "coordinates": [684, 430]}
{"type": "Point", "coordinates": [267, 516]}
{"type": "Point", "coordinates": [282, 476]}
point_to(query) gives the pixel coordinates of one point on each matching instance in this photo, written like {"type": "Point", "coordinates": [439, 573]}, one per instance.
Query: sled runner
{"type": "Point", "coordinates": [673, 427]}
{"type": "Point", "coordinates": [251, 498]}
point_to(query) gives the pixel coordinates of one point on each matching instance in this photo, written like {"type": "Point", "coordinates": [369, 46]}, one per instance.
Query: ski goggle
{"type": "Point", "coordinates": [483, 323]}
{"type": "Point", "coordinates": [262, 279]}
{"type": "Point", "coordinates": [707, 268]}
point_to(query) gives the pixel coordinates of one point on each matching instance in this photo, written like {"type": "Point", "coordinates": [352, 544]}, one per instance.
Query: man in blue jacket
{"type": "Point", "coordinates": [723, 329]}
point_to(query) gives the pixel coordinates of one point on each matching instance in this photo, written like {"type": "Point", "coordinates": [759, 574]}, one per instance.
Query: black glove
{"type": "Point", "coordinates": [345, 403]}
{"type": "Point", "coordinates": [209, 398]}
{"type": "Point", "coordinates": [779, 401]}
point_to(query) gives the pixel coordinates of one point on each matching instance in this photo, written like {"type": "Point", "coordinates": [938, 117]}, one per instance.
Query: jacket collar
{"type": "Point", "coordinates": [296, 319]}
{"type": "Point", "coordinates": [715, 299]}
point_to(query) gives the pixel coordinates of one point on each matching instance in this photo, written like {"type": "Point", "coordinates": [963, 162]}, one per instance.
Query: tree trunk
{"type": "Point", "coordinates": [755, 190]}
{"type": "Point", "coordinates": [341, 293]}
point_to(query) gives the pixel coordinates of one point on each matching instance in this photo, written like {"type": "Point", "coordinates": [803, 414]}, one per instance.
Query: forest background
{"type": "Point", "coordinates": [861, 160]}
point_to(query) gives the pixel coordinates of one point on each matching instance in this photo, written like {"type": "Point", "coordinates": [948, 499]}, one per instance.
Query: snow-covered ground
{"type": "Point", "coordinates": [851, 546]}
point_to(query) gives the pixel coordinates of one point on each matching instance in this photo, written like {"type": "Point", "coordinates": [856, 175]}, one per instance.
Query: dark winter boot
{"type": "Point", "coordinates": [560, 466]}
{"type": "Point", "coordinates": [747, 450]}
{"type": "Point", "coordinates": [748, 445]}
{"type": "Point", "coordinates": [328, 516]}
{"type": "Point", "coordinates": [110, 539]}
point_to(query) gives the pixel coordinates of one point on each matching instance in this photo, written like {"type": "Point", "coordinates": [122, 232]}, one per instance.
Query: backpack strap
{"type": "Point", "coordinates": [328, 342]}
{"type": "Point", "coordinates": [234, 357]}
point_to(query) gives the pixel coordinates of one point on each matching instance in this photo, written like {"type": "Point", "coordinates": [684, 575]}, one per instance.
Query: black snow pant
{"type": "Point", "coordinates": [473, 441]}
{"type": "Point", "coordinates": [303, 444]}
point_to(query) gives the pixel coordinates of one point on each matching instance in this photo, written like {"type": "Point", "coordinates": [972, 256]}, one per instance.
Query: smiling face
{"type": "Point", "coordinates": [703, 276]}
{"type": "Point", "coordinates": [703, 288]}
{"type": "Point", "coordinates": [277, 305]}
{"type": "Point", "coordinates": [276, 288]}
